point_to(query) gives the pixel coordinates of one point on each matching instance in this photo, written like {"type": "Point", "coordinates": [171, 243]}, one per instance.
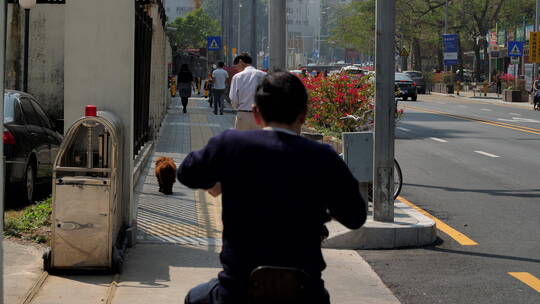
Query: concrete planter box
{"type": "Point", "coordinates": [512, 95]}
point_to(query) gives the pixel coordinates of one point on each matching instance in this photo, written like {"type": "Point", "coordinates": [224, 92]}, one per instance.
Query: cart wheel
{"type": "Point", "coordinates": [117, 261]}
{"type": "Point", "coordinates": [47, 260]}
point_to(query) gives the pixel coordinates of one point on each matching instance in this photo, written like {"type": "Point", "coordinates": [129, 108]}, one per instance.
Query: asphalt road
{"type": "Point", "coordinates": [476, 167]}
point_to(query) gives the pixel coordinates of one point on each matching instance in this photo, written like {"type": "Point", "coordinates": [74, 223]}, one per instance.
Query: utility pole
{"type": "Point", "coordinates": [3, 27]}
{"type": "Point", "coordinates": [239, 26]}
{"type": "Point", "coordinates": [536, 29]}
{"type": "Point", "coordinates": [446, 17]}
{"type": "Point", "coordinates": [224, 41]}
{"type": "Point", "coordinates": [383, 153]}
{"type": "Point", "coordinates": [230, 30]}
{"type": "Point", "coordinates": [254, 32]}
{"type": "Point", "coordinates": [277, 32]}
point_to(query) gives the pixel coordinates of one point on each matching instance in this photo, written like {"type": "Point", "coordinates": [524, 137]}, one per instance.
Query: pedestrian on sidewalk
{"type": "Point", "coordinates": [220, 77]}
{"type": "Point", "coordinates": [185, 84]}
{"type": "Point", "coordinates": [242, 93]}
{"type": "Point", "coordinates": [278, 190]}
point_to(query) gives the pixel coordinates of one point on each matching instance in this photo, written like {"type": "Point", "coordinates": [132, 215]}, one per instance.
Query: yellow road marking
{"type": "Point", "coordinates": [483, 121]}
{"type": "Point", "coordinates": [528, 279]}
{"type": "Point", "coordinates": [453, 233]}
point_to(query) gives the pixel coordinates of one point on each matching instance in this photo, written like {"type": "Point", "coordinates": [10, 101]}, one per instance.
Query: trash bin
{"type": "Point", "coordinates": [87, 189]}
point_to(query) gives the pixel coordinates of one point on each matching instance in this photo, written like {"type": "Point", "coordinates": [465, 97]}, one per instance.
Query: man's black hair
{"type": "Point", "coordinates": [281, 97]}
{"type": "Point", "coordinates": [220, 64]}
{"type": "Point", "coordinates": [244, 57]}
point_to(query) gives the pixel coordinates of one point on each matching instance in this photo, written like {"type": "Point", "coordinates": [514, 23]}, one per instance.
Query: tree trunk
{"type": "Point", "coordinates": [440, 57]}
{"type": "Point", "coordinates": [15, 49]}
{"type": "Point", "coordinates": [417, 54]}
{"type": "Point", "coordinates": [460, 57]}
{"type": "Point", "coordinates": [477, 61]}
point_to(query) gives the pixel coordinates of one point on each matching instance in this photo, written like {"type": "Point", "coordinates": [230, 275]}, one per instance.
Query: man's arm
{"type": "Point", "coordinates": [346, 204]}
{"type": "Point", "coordinates": [200, 169]}
{"type": "Point", "coordinates": [233, 94]}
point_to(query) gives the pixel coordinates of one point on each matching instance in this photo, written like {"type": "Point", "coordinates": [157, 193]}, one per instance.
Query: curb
{"type": "Point", "coordinates": [379, 235]}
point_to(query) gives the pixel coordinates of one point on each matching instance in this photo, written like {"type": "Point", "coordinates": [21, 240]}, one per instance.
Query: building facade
{"type": "Point", "coordinates": [303, 31]}
{"type": "Point", "coordinates": [179, 8]}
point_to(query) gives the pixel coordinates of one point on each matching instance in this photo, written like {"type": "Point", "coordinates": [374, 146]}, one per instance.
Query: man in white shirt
{"type": "Point", "coordinates": [242, 94]}
{"type": "Point", "coordinates": [218, 90]}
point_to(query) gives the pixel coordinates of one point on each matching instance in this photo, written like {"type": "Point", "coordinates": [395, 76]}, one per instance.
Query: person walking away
{"type": "Point", "coordinates": [185, 84]}
{"type": "Point", "coordinates": [536, 92]}
{"type": "Point", "coordinates": [242, 92]}
{"type": "Point", "coordinates": [220, 77]}
{"type": "Point", "coordinates": [267, 179]}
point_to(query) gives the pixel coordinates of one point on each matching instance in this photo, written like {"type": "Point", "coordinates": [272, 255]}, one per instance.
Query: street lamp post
{"type": "Point", "coordinates": [26, 5]}
{"type": "Point", "coordinates": [239, 24]}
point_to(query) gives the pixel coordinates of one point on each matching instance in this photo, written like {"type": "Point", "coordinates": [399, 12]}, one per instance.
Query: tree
{"type": "Point", "coordinates": [193, 29]}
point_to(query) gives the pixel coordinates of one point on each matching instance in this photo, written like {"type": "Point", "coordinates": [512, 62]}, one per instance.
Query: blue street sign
{"type": "Point", "coordinates": [214, 43]}
{"type": "Point", "coordinates": [450, 42]}
{"type": "Point", "coordinates": [515, 48]}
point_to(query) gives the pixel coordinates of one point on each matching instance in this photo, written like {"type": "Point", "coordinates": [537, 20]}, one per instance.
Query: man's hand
{"type": "Point", "coordinates": [216, 190]}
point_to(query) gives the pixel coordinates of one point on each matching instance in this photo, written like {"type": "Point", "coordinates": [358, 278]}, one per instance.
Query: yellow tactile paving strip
{"type": "Point", "coordinates": [198, 216]}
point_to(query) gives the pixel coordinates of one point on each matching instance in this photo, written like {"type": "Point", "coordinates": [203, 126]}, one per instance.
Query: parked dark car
{"type": "Point", "coordinates": [405, 87]}
{"type": "Point", "coordinates": [30, 144]}
{"type": "Point", "coordinates": [419, 79]}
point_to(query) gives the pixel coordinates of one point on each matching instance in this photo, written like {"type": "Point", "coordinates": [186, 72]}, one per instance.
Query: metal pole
{"type": "Point", "coordinates": [26, 43]}
{"type": "Point", "coordinates": [239, 25]}
{"type": "Point", "coordinates": [223, 35]}
{"type": "Point", "coordinates": [446, 17]}
{"type": "Point", "coordinates": [3, 26]}
{"type": "Point", "coordinates": [536, 29]}
{"type": "Point", "coordinates": [230, 34]}
{"type": "Point", "coordinates": [383, 154]}
{"type": "Point", "coordinates": [277, 34]}
{"type": "Point", "coordinates": [254, 32]}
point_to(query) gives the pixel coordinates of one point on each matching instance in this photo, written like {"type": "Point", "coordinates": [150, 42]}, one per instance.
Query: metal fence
{"type": "Point", "coordinates": [143, 55]}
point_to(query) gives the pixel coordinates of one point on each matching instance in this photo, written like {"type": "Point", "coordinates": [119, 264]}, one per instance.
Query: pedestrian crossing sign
{"type": "Point", "coordinates": [214, 43]}
{"type": "Point", "coordinates": [515, 48]}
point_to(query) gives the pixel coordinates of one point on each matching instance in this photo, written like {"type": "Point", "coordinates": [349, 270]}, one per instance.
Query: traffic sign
{"type": "Point", "coordinates": [214, 43]}
{"type": "Point", "coordinates": [515, 48]}
{"type": "Point", "coordinates": [403, 52]}
{"type": "Point", "coordinates": [515, 59]}
{"type": "Point", "coordinates": [450, 49]}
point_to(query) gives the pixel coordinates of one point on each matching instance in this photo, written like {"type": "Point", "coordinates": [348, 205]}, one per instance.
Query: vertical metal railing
{"type": "Point", "coordinates": [143, 55]}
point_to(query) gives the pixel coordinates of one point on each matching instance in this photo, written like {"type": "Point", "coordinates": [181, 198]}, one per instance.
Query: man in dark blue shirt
{"type": "Point", "coordinates": [278, 191]}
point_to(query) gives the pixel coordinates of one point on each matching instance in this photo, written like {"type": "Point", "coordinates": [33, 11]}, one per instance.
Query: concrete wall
{"type": "Point", "coordinates": [99, 69]}
{"type": "Point", "coordinates": [46, 55]}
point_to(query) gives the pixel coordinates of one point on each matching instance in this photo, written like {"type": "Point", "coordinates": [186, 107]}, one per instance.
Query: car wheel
{"type": "Point", "coordinates": [414, 98]}
{"type": "Point", "coordinates": [29, 183]}
{"type": "Point", "coordinates": [405, 98]}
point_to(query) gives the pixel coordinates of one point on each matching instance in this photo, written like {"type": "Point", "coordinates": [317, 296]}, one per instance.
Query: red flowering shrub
{"type": "Point", "coordinates": [334, 97]}
{"type": "Point", "coordinates": [508, 81]}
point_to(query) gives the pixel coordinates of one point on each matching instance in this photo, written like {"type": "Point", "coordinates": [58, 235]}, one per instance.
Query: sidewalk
{"type": "Point", "coordinates": [179, 237]}
{"type": "Point", "coordinates": [490, 98]}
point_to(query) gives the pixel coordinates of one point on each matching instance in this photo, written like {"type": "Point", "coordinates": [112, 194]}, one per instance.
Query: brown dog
{"type": "Point", "coordinates": [166, 174]}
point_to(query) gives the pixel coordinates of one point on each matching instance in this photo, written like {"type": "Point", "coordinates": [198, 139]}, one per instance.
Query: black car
{"type": "Point", "coordinates": [418, 78]}
{"type": "Point", "coordinates": [30, 144]}
{"type": "Point", "coordinates": [405, 87]}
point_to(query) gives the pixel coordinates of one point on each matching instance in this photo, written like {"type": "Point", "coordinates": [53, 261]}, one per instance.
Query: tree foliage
{"type": "Point", "coordinates": [193, 29]}
{"type": "Point", "coordinates": [420, 24]}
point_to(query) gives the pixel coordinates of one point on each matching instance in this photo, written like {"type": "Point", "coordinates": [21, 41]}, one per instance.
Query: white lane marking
{"type": "Point", "coordinates": [489, 110]}
{"type": "Point", "coordinates": [462, 106]}
{"type": "Point", "coordinates": [487, 154]}
{"type": "Point", "coordinates": [519, 119]}
{"type": "Point", "coordinates": [517, 114]}
{"type": "Point", "coordinates": [438, 139]}
{"type": "Point", "coordinates": [404, 129]}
